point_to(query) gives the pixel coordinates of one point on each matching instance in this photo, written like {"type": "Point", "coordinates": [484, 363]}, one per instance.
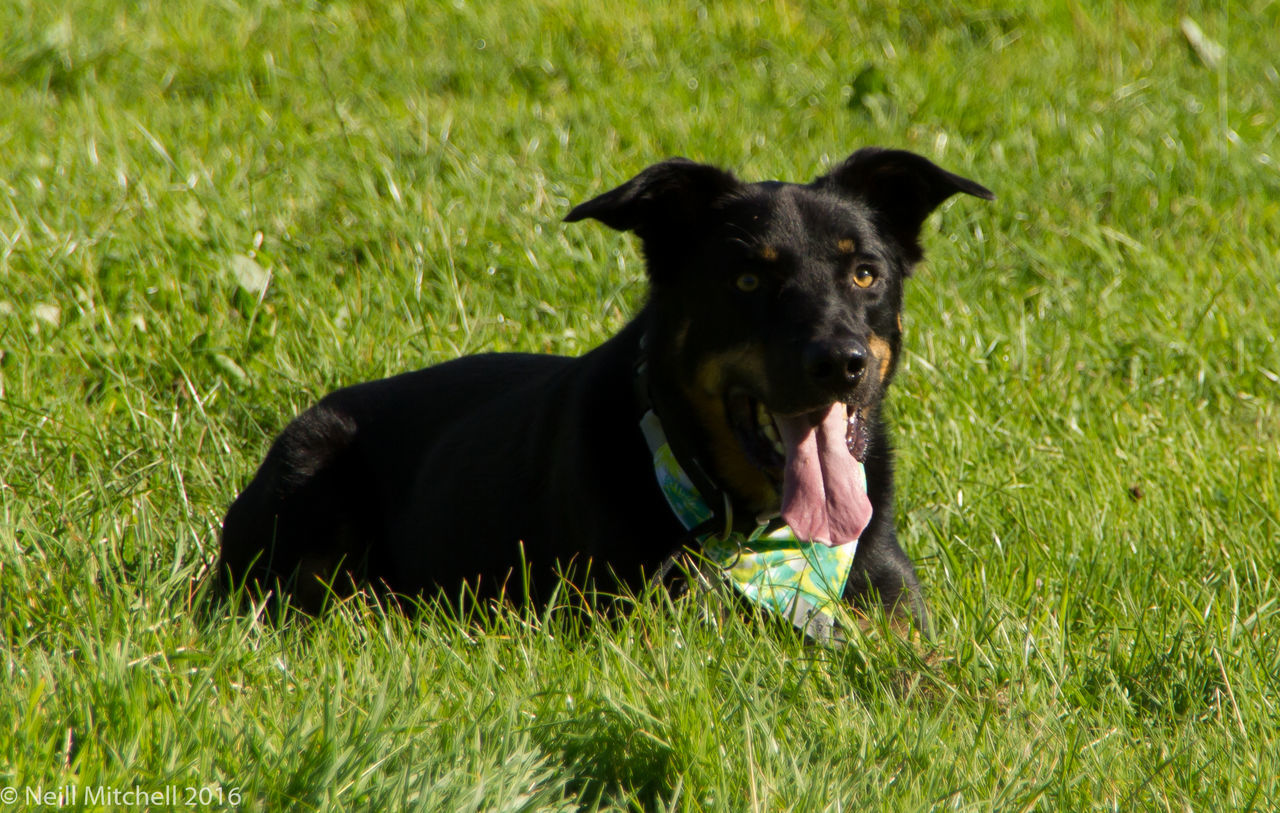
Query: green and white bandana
{"type": "Point", "coordinates": [799, 580]}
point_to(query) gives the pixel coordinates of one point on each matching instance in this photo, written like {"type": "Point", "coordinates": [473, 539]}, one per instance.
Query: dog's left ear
{"type": "Point", "coordinates": [666, 200]}
{"type": "Point", "coordinates": [902, 187]}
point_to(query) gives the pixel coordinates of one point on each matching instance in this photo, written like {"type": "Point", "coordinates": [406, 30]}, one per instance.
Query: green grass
{"type": "Point", "coordinates": [1088, 412]}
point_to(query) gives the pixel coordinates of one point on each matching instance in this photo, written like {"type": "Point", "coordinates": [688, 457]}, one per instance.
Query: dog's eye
{"type": "Point", "coordinates": [747, 282]}
{"type": "Point", "coordinates": [864, 276]}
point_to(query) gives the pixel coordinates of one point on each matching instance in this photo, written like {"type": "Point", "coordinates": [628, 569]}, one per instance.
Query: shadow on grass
{"type": "Point", "coordinates": [1157, 678]}
{"type": "Point", "coordinates": [613, 757]}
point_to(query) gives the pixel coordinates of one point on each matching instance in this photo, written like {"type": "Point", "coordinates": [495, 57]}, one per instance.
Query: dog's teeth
{"type": "Point", "coordinates": [770, 433]}
{"type": "Point", "coordinates": [767, 428]}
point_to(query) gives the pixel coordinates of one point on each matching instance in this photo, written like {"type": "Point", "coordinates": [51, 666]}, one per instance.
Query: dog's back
{"type": "Point", "coordinates": [408, 481]}
{"type": "Point", "coordinates": [326, 497]}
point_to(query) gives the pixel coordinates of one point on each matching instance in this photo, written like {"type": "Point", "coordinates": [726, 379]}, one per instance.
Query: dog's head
{"type": "Point", "coordinates": [776, 318]}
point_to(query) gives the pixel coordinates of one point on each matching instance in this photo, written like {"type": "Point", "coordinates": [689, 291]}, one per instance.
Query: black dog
{"type": "Point", "coordinates": [770, 335]}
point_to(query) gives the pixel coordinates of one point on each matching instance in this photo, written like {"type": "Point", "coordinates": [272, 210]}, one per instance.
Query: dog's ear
{"type": "Point", "coordinates": [902, 187]}
{"type": "Point", "coordinates": [667, 199]}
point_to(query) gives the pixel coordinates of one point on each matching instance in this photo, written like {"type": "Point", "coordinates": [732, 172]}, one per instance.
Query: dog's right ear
{"type": "Point", "coordinates": [902, 187]}
{"type": "Point", "coordinates": [665, 200]}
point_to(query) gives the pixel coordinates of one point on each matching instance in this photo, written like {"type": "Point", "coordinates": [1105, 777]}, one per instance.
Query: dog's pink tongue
{"type": "Point", "coordinates": [824, 489]}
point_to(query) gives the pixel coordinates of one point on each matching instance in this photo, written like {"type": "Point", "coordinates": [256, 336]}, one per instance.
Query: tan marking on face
{"type": "Point", "coordinates": [745, 363]}
{"type": "Point", "coordinates": [769, 253]}
{"type": "Point", "coordinates": [899, 322]}
{"type": "Point", "coordinates": [752, 489]}
{"type": "Point", "coordinates": [846, 246]}
{"type": "Point", "coordinates": [881, 352]}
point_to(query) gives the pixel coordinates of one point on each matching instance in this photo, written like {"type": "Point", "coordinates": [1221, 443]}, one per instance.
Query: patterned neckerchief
{"type": "Point", "coordinates": [800, 581]}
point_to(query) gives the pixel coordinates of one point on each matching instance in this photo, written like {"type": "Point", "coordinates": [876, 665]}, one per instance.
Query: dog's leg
{"type": "Point", "coordinates": [883, 574]}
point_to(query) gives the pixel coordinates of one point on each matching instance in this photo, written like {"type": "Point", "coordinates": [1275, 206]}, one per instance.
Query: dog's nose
{"type": "Point", "coordinates": [835, 365]}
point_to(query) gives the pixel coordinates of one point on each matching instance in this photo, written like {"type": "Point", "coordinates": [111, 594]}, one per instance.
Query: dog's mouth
{"type": "Point", "coordinates": [757, 430]}
{"type": "Point", "coordinates": [817, 455]}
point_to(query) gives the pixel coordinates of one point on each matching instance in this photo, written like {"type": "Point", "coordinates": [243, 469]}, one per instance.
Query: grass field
{"type": "Point", "coordinates": [211, 213]}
